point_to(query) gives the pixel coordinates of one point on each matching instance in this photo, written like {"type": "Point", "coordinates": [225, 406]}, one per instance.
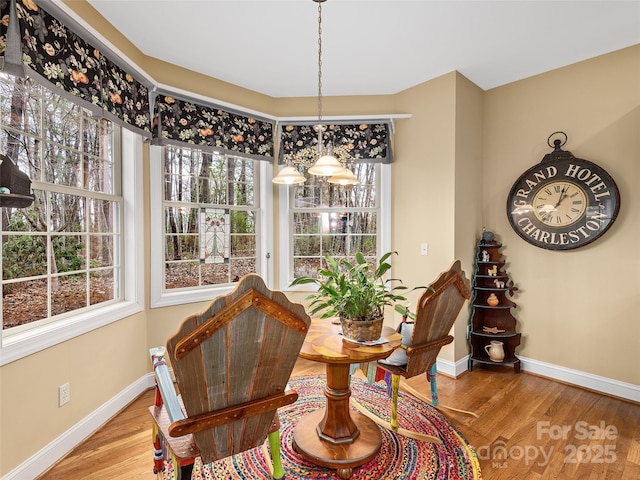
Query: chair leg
{"type": "Point", "coordinates": [158, 451]}
{"type": "Point", "coordinates": [274, 445]}
{"type": "Point", "coordinates": [181, 472]}
{"type": "Point", "coordinates": [162, 453]}
{"type": "Point", "coordinates": [395, 385]}
{"type": "Point", "coordinates": [431, 375]}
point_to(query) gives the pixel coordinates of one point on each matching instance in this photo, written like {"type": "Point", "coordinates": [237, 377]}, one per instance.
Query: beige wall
{"type": "Point", "coordinates": [468, 190]}
{"type": "Point", "coordinates": [578, 309]}
{"type": "Point", "coordinates": [456, 159]}
{"type": "Point", "coordinates": [436, 193]}
{"type": "Point", "coordinates": [423, 184]}
{"type": "Point", "coordinates": [98, 365]}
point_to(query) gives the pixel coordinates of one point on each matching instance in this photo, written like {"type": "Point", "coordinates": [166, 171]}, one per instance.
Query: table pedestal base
{"type": "Point", "coordinates": [340, 456]}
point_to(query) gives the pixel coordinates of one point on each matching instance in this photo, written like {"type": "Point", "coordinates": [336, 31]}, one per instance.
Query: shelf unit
{"type": "Point", "coordinates": [492, 322]}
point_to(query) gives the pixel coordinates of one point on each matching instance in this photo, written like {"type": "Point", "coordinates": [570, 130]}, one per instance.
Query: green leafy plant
{"type": "Point", "coordinates": [356, 291]}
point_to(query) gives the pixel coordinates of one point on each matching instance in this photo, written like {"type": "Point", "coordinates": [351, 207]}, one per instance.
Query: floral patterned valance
{"type": "Point", "coordinates": [57, 55]}
{"type": "Point", "coordinates": [125, 98]}
{"type": "Point", "coordinates": [365, 141]}
{"type": "Point", "coordinates": [185, 122]}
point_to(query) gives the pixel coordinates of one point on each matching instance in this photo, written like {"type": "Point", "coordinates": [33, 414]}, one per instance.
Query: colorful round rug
{"type": "Point", "coordinates": [399, 458]}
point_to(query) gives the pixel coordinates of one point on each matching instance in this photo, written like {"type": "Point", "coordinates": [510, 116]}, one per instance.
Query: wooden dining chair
{"type": "Point", "coordinates": [436, 312]}
{"type": "Point", "coordinates": [231, 363]}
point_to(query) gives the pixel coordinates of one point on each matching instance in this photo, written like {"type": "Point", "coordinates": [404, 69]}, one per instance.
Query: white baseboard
{"type": "Point", "coordinates": [58, 448]}
{"type": "Point", "coordinates": [453, 369]}
{"type": "Point", "coordinates": [590, 381]}
{"type": "Point", "coordinates": [597, 383]}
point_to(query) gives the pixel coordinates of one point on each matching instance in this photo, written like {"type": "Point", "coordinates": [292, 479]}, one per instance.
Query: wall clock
{"type": "Point", "coordinates": [563, 202]}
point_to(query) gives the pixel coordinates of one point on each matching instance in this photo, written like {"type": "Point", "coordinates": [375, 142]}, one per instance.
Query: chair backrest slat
{"type": "Point", "coordinates": [241, 348]}
{"type": "Point", "coordinates": [436, 312]}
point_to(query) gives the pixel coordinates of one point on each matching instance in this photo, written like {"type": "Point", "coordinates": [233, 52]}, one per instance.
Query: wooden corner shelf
{"type": "Point", "coordinates": [493, 322]}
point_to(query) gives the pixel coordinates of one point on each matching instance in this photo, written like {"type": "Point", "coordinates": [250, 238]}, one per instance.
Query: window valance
{"type": "Point", "coordinates": [61, 55]}
{"type": "Point", "coordinates": [181, 121]}
{"type": "Point", "coordinates": [368, 142]}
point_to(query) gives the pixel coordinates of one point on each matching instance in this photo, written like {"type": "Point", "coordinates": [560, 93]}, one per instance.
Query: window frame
{"type": "Point", "coordinates": [159, 296]}
{"type": "Point", "coordinates": [16, 345]}
{"type": "Point", "coordinates": [285, 262]}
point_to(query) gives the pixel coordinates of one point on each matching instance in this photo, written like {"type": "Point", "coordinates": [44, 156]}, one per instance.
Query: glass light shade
{"type": "Point", "coordinates": [289, 176]}
{"type": "Point", "coordinates": [327, 165]}
{"type": "Point", "coordinates": [345, 178]}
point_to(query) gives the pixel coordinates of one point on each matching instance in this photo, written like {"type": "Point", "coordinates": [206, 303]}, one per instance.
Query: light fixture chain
{"type": "Point", "coordinates": [319, 61]}
{"type": "Point", "coordinates": [331, 162]}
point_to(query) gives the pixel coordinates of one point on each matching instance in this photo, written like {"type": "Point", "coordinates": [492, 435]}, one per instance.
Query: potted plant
{"type": "Point", "coordinates": [355, 292]}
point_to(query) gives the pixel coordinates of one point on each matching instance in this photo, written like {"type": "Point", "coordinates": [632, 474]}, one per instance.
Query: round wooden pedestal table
{"type": "Point", "coordinates": [335, 437]}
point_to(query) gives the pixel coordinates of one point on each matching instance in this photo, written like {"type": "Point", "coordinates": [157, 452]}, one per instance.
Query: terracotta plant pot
{"type": "Point", "coordinates": [359, 330]}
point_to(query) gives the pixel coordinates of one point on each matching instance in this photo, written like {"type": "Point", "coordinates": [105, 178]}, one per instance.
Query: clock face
{"type": "Point", "coordinates": [563, 204]}
{"type": "Point", "coordinates": [559, 204]}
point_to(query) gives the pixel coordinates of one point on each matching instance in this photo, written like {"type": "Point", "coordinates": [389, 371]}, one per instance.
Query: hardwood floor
{"type": "Point", "coordinates": [528, 428]}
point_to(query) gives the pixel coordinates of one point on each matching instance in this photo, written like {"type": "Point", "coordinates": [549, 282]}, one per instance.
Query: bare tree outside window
{"type": "Point", "coordinates": [210, 211]}
{"type": "Point", "coordinates": [333, 219]}
{"type": "Point", "coordinates": [60, 254]}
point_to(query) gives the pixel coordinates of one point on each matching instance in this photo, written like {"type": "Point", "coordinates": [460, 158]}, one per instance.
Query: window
{"type": "Point", "coordinates": [325, 218]}
{"type": "Point", "coordinates": [63, 255]}
{"type": "Point", "coordinates": [211, 223]}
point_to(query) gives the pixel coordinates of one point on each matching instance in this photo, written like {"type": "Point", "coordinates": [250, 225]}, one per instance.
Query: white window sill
{"type": "Point", "coordinates": [30, 341]}
{"type": "Point", "coordinates": [168, 299]}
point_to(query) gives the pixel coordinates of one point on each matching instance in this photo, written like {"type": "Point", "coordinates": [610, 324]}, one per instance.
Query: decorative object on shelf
{"type": "Point", "coordinates": [330, 161]}
{"type": "Point", "coordinates": [495, 351]}
{"type": "Point", "coordinates": [563, 202]}
{"type": "Point", "coordinates": [492, 330]}
{"type": "Point", "coordinates": [15, 186]}
{"type": "Point", "coordinates": [485, 256]}
{"type": "Point", "coordinates": [491, 317]}
{"type": "Point", "coordinates": [355, 292]}
{"type": "Point", "coordinates": [493, 300]}
{"type": "Point", "coordinates": [487, 237]}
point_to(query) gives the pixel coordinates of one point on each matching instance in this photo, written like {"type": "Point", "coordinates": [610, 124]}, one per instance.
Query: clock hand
{"type": "Point", "coordinates": [562, 195]}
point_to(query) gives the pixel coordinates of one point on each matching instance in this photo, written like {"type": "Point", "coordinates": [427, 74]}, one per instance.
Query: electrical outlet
{"type": "Point", "coordinates": [424, 249]}
{"type": "Point", "coordinates": [64, 394]}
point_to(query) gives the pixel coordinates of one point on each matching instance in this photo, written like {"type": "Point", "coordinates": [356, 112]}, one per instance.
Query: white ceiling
{"type": "Point", "coordinates": [371, 46]}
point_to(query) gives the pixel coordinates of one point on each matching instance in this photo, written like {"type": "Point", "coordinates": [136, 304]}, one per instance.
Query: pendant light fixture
{"type": "Point", "coordinates": [321, 161]}
{"type": "Point", "coordinates": [345, 178]}
{"type": "Point", "coordinates": [289, 175]}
